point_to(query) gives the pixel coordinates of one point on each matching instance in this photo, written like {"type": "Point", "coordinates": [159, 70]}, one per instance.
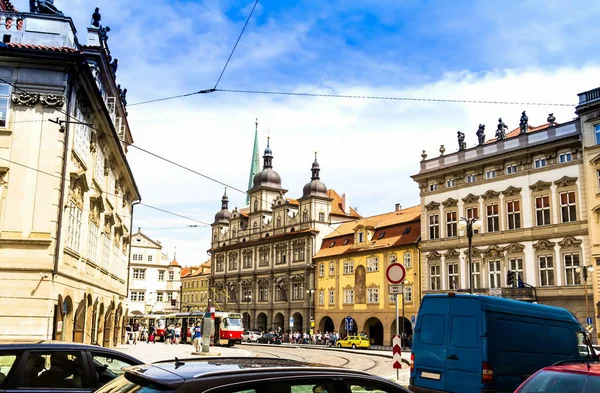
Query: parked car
{"type": "Point", "coordinates": [250, 335]}
{"type": "Point", "coordinates": [564, 377]}
{"type": "Point", "coordinates": [269, 338]}
{"type": "Point", "coordinates": [470, 343]}
{"type": "Point", "coordinates": [54, 366]}
{"type": "Point", "coordinates": [354, 342]}
{"type": "Point", "coordinates": [236, 375]}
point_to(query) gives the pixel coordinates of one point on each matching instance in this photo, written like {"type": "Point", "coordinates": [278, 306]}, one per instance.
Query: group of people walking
{"type": "Point", "coordinates": [139, 332]}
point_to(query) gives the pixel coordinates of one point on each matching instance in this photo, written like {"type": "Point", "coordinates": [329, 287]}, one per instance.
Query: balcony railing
{"type": "Point", "coordinates": [587, 96]}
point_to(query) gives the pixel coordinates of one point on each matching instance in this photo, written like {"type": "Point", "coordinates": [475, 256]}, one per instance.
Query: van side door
{"type": "Point", "coordinates": [464, 345]}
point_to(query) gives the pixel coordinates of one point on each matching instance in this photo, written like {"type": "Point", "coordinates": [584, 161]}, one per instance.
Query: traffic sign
{"type": "Point", "coordinates": [396, 273]}
{"type": "Point", "coordinates": [396, 289]}
{"type": "Point", "coordinates": [413, 319]}
{"type": "Point", "coordinates": [291, 322]}
{"type": "Point", "coordinates": [349, 324]}
{"type": "Point", "coordinates": [396, 352]}
{"type": "Point", "coordinates": [589, 321]}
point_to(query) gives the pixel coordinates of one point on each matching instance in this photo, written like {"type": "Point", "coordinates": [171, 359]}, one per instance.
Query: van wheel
{"type": "Point", "coordinates": [248, 340]}
{"type": "Point", "coordinates": [339, 345]}
{"type": "Point", "coordinates": [353, 346]}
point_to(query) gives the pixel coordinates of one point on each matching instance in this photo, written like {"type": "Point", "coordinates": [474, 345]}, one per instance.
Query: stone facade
{"type": "Point", "coordinates": [529, 192]}
{"type": "Point", "coordinates": [261, 256]}
{"type": "Point", "coordinates": [194, 288]}
{"type": "Point", "coordinates": [66, 189]}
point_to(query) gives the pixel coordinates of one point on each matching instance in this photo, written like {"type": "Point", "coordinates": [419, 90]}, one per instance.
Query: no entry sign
{"type": "Point", "coordinates": [396, 273]}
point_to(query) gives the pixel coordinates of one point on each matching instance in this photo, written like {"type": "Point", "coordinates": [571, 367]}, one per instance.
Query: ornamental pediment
{"type": "Point", "coordinates": [262, 280]}
{"type": "Point", "coordinates": [566, 181]}
{"type": "Point", "coordinates": [540, 186]}
{"type": "Point", "coordinates": [450, 202]}
{"type": "Point", "coordinates": [471, 199]}
{"type": "Point", "coordinates": [477, 253]}
{"type": "Point", "coordinates": [511, 191]}
{"type": "Point", "coordinates": [490, 194]}
{"type": "Point", "coordinates": [494, 251]}
{"type": "Point", "coordinates": [544, 245]}
{"type": "Point", "coordinates": [451, 254]}
{"type": "Point", "coordinates": [432, 206]}
{"type": "Point", "coordinates": [434, 256]}
{"type": "Point", "coordinates": [570, 242]}
{"type": "Point", "coordinates": [514, 248]}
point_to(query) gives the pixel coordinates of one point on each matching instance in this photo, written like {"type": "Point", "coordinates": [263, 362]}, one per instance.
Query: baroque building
{"type": "Point", "coordinates": [194, 287]}
{"type": "Point", "coordinates": [262, 256]}
{"type": "Point", "coordinates": [351, 276]}
{"type": "Point", "coordinates": [528, 189]}
{"type": "Point", "coordinates": [154, 280]}
{"type": "Point", "coordinates": [66, 189]}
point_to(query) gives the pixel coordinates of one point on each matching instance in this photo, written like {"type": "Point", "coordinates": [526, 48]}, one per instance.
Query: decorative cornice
{"type": "Point", "coordinates": [570, 242]}
{"type": "Point", "coordinates": [566, 181]}
{"type": "Point", "coordinates": [490, 194]}
{"type": "Point", "coordinates": [544, 245]}
{"type": "Point", "coordinates": [25, 99]}
{"type": "Point", "coordinates": [510, 191]}
{"type": "Point", "coordinates": [540, 186]}
{"type": "Point", "coordinates": [434, 256]}
{"type": "Point", "coordinates": [262, 280]}
{"type": "Point", "coordinates": [477, 253]}
{"type": "Point", "coordinates": [52, 100]}
{"type": "Point", "coordinates": [432, 206]}
{"type": "Point", "coordinates": [514, 248]}
{"type": "Point", "coordinates": [494, 251]}
{"type": "Point", "coordinates": [471, 198]}
{"type": "Point", "coordinates": [451, 254]}
{"type": "Point", "coordinates": [450, 202]}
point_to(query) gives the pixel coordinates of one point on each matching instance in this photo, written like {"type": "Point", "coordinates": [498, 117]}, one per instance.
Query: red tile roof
{"type": "Point", "coordinates": [185, 271]}
{"type": "Point", "coordinates": [6, 5]}
{"type": "Point", "coordinates": [174, 263]}
{"type": "Point", "coordinates": [337, 206]}
{"type": "Point", "coordinates": [65, 49]}
{"type": "Point", "coordinates": [517, 131]}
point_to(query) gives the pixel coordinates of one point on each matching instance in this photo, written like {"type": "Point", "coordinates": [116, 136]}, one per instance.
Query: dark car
{"type": "Point", "coordinates": [55, 366]}
{"type": "Point", "coordinates": [269, 338]}
{"type": "Point", "coordinates": [246, 375]}
{"type": "Point", "coordinates": [564, 377]}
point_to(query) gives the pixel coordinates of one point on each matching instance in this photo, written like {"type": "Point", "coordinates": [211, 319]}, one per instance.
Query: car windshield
{"type": "Point", "coordinates": [561, 382]}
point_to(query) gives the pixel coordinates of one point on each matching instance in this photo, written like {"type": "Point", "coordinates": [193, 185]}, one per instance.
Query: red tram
{"type": "Point", "coordinates": [227, 331]}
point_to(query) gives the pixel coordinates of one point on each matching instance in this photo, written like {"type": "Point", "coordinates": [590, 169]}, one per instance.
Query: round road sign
{"type": "Point", "coordinates": [396, 273]}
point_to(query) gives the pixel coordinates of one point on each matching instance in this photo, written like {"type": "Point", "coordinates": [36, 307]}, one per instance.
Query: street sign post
{"type": "Point", "coordinates": [413, 320]}
{"type": "Point", "coordinates": [396, 273]}
{"type": "Point", "coordinates": [396, 289]}
{"type": "Point", "coordinates": [291, 322]}
{"type": "Point", "coordinates": [589, 321]}
{"type": "Point", "coordinates": [397, 355]}
{"type": "Point", "coordinates": [349, 324]}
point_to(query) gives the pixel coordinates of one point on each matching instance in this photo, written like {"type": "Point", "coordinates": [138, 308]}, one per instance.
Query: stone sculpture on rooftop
{"type": "Point", "coordinates": [523, 123]}
{"type": "Point", "coordinates": [44, 7]}
{"type": "Point", "coordinates": [501, 131]}
{"type": "Point", "coordinates": [462, 145]}
{"type": "Point", "coordinates": [481, 134]}
{"type": "Point", "coordinates": [96, 17]}
{"type": "Point", "coordinates": [551, 119]}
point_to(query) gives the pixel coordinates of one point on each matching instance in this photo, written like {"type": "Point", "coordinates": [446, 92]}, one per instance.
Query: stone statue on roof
{"type": "Point", "coordinates": [96, 17]}
{"type": "Point", "coordinates": [551, 119]}
{"type": "Point", "coordinates": [481, 134]}
{"type": "Point", "coordinates": [103, 33]}
{"type": "Point", "coordinates": [44, 7]}
{"type": "Point", "coordinates": [124, 97]}
{"type": "Point", "coordinates": [114, 66]}
{"type": "Point", "coordinates": [462, 145]}
{"type": "Point", "coordinates": [501, 131]}
{"type": "Point", "coordinates": [523, 123]}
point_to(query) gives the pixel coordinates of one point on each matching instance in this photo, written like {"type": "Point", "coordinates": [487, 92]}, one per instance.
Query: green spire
{"type": "Point", "coordinates": [255, 165]}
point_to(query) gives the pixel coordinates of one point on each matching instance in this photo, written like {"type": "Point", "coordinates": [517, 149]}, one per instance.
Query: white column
{"type": "Point", "coordinates": [464, 269]}
{"type": "Point", "coordinates": [554, 204]}
{"type": "Point", "coordinates": [443, 275]}
{"type": "Point", "coordinates": [530, 265]}
{"type": "Point", "coordinates": [443, 233]}
{"type": "Point", "coordinates": [559, 268]}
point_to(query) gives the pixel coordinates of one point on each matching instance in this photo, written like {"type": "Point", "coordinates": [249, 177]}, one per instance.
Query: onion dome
{"type": "Point", "coordinates": [315, 187]}
{"type": "Point", "coordinates": [267, 177]}
{"type": "Point", "coordinates": [223, 216]}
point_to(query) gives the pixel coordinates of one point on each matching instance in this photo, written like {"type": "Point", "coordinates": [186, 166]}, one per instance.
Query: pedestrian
{"type": "Point", "coordinates": [136, 331]}
{"type": "Point", "coordinates": [151, 333]}
{"type": "Point", "coordinates": [197, 336]}
{"type": "Point", "coordinates": [177, 333]}
{"type": "Point", "coordinates": [129, 334]}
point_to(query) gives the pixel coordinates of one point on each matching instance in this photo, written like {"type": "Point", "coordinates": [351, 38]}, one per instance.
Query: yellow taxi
{"type": "Point", "coordinates": [354, 342]}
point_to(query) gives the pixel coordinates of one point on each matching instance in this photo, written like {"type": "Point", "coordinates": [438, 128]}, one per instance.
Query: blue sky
{"type": "Point", "coordinates": [527, 51]}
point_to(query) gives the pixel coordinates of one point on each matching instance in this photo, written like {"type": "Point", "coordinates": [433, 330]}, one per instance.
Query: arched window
{"type": "Point", "coordinates": [322, 216]}
{"type": "Point", "coordinates": [278, 222]}
{"type": "Point", "coordinates": [256, 205]}
{"type": "Point", "coordinates": [305, 216]}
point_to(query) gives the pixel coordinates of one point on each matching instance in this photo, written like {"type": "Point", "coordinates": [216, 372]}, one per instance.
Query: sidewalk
{"type": "Point", "coordinates": [149, 352]}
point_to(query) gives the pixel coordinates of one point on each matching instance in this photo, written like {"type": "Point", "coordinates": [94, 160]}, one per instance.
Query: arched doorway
{"type": "Point", "coordinates": [117, 325]}
{"type": "Point", "coordinates": [66, 324]}
{"type": "Point", "coordinates": [261, 322]}
{"type": "Point", "coordinates": [353, 327]}
{"type": "Point", "coordinates": [109, 320]}
{"type": "Point", "coordinates": [246, 320]}
{"type": "Point", "coordinates": [407, 329]}
{"type": "Point", "coordinates": [298, 322]}
{"type": "Point", "coordinates": [278, 322]}
{"type": "Point", "coordinates": [326, 325]}
{"type": "Point", "coordinates": [94, 320]}
{"type": "Point", "coordinates": [374, 329]}
{"type": "Point", "coordinates": [100, 324]}
{"type": "Point", "coordinates": [79, 322]}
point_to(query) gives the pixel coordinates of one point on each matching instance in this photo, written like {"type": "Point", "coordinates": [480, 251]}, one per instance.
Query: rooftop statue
{"type": "Point", "coordinates": [103, 33]}
{"type": "Point", "coordinates": [114, 65]}
{"type": "Point", "coordinates": [551, 119]}
{"type": "Point", "coordinates": [501, 131]}
{"type": "Point", "coordinates": [523, 123]}
{"type": "Point", "coordinates": [44, 7]}
{"type": "Point", "coordinates": [96, 17]}
{"type": "Point", "coordinates": [462, 145]}
{"type": "Point", "coordinates": [124, 97]}
{"type": "Point", "coordinates": [481, 134]}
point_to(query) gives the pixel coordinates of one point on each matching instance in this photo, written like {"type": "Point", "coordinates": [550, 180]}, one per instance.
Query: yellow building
{"type": "Point", "coordinates": [351, 281]}
{"type": "Point", "coordinates": [194, 287]}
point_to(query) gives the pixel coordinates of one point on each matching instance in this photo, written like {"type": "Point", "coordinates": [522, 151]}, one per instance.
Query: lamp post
{"type": "Point", "coordinates": [248, 299]}
{"type": "Point", "coordinates": [470, 224]}
{"type": "Point", "coordinates": [310, 308]}
{"type": "Point", "coordinates": [584, 270]}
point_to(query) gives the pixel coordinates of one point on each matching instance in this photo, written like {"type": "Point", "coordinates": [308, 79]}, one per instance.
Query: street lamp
{"type": "Point", "coordinates": [248, 299]}
{"type": "Point", "coordinates": [585, 270]}
{"type": "Point", "coordinates": [310, 317]}
{"type": "Point", "coordinates": [470, 224]}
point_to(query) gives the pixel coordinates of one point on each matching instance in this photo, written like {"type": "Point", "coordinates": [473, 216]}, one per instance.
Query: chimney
{"type": "Point", "coordinates": [93, 38]}
{"type": "Point", "coordinates": [398, 207]}
{"type": "Point", "coordinates": [346, 203]}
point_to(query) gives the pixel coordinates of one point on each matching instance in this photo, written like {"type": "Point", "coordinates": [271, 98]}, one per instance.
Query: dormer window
{"type": "Point", "coordinates": [565, 157]}
{"type": "Point", "coordinates": [539, 162]}
{"type": "Point", "coordinates": [345, 242]}
{"type": "Point", "coordinates": [471, 178]}
{"type": "Point", "coordinates": [361, 236]}
{"type": "Point", "coordinates": [490, 174]}
{"type": "Point", "coordinates": [450, 183]}
{"type": "Point", "coordinates": [433, 187]}
{"type": "Point", "coordinates": [381, 235]}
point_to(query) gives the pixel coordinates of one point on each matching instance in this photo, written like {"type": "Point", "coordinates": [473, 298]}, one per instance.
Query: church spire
{"type": "Point", "coordinates": [255, 163]}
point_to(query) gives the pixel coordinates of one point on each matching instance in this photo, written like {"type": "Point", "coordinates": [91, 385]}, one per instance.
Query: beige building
{"type": "Point", "coordinates": [589, 117]}
{"type": "Point", "coordinates": [262, 258]}
{"type": "Point", "coordinates": [66, 189]}
{"type": "Point", "coordinates": [529, 191]}
{"type": "Point", "coordinates": [154, 279]}
{"type": "Point", "coordinates": [194, 287]}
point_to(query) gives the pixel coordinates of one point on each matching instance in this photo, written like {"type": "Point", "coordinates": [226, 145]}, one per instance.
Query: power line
{"type": "Point", "coordinates": [236, 44]}
{"type": "Point", "coordinates": [118, 196]}
{"type": "Point", "coordinates": [172, 97]}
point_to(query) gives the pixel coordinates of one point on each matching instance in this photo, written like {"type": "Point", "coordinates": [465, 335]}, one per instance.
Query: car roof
{"type": "Point", "coordinates": [583, 367]}
{"type": "Point", "coordinates": [179, 369]}
{"type": "Point", "coordinates": [62, 346]}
